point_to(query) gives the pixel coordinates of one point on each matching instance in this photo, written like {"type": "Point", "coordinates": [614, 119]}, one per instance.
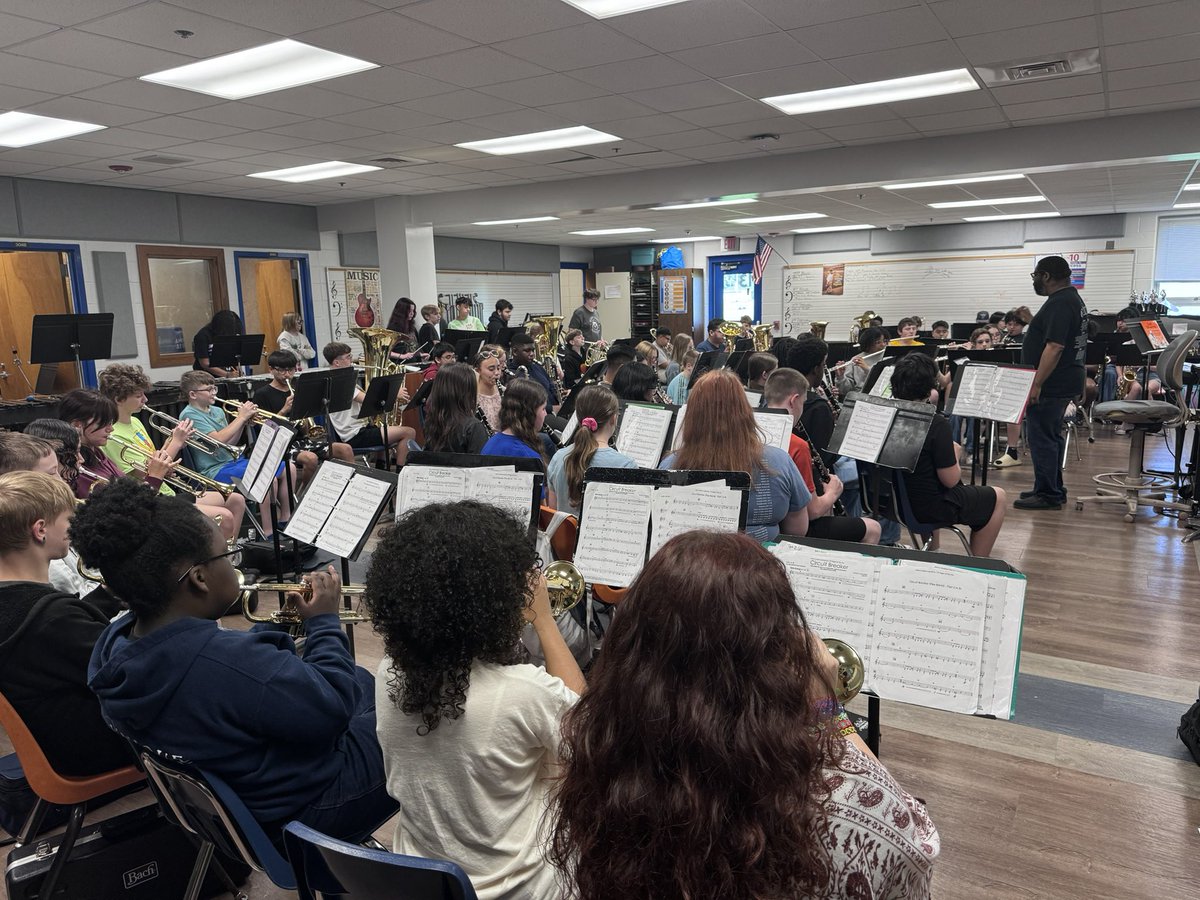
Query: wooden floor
{"type": "Point", "coordinates": [1027, 811]}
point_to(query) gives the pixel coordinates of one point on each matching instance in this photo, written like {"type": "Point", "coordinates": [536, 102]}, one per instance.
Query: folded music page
{"type": "Point", "coordinates": [613, 530]}
{"type": "Point", "coordinates": [643, 432]}
{"type": "Point", "coordinates": [775, 427]}
{"type": "Point", "coordinates": [998, 393]}
{"type": "Point", "coordinates": [710, 505]}
{"type": "Point", "coordinates": [272, 443]}
{"type": "Point", "coordinates": [867, 430]}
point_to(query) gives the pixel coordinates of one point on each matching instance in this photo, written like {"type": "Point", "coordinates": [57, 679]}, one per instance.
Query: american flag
{"type": "Point", "coordinates": [762, 252]}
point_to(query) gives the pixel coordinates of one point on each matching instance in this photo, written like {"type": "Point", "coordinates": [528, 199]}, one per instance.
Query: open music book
{"type": "Point", "coordinates": [515, 492]}
{"type": "Point", "coordinates": [629, 513]}
{"type": "Point", "coordinates": [341, 507]}
{"type": "Point", "coordinates": [941, 635]}
{"type": "Point", "coordinates": [643, 432]}
{"type": "Point", "coordinates": [774, 427]}
{"type": "Point", "coordinates": [270, 446]}
{"type": "Point", "coordinates": [983, 391]}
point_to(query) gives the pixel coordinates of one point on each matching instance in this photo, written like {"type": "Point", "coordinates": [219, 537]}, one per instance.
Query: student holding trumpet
{"type": "Point", "coordinates": [129, 447]}
{"type": "Point", "coordinates": [220, 463]}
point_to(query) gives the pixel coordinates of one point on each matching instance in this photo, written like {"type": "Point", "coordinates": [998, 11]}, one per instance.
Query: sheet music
{"type": "Point", "coordinates": [677, 440]}
{"type": "Point", "coordinates": [613, 529]}
{"type": "Point", "coordinates": [1008, 651]}
{"type": "Point", "coordinates": [776, 428]}
{"type": "Point", "coordinates": [421, 485]}
{"type": "Point", "coordinates": [883, 384]}
{"type": "Point", "coordinates": [753, 398]}
{"type": "Point", "coordinates": [354, 515]}
{"type": "Point", "coordinates": [998, 393]}
{"type": "Point", "coordinates": [642, 433]}
{"type": "Point", "coordinates": [569, 428]}
{"type": "Point", "coordinates": [1154, 332]}
{"type": "Point", "coordinates": [867, 430]}
{"type": "Point", "coordinates": [318, 502]}
{"type": "Point", "coordinates": [272, 444]}
{"type": "Point", "coordinates": [502, 487]}
{"type": "Point", "coordinates": [927, 640]}
{"type": "Point", "coordinates": [836, 592]}
{"type": "Point", "coordinates": [710, 505]}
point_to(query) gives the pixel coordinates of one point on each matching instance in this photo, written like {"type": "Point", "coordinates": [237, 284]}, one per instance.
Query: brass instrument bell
{"type": "Point", "coordinates": [850, 670]}
{"type": "Point", "coordinates": [377, 344]}
{"type": "Point", "coordinates": [564, 584]}
{"type": "Point", "coordinates": [818, 328]}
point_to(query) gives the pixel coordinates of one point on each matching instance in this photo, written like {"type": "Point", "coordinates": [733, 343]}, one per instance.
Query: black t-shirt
{"type": "Point", "coordinates": [202, 346]}
{"type": "Point", "coordinates": [925, 489]}
{"type": "Point", "coordinates": [817, 419]}
{"type": "Point", "coordinates": [271, 399]}
{"type": "Point", "coordinates": [1061, 320]}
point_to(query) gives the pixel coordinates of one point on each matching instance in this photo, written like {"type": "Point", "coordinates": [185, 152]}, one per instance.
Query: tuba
{"type": "Point", "coordinates": [818, 328]}
{"type": "Point", "coordinates": [762, 338]}
{"type": "Point", "coordinates": [377, 344]}
{"type": "Point", "coordinates": [861, 322]}
{"type": "Point", "coordinates": [732, 331]}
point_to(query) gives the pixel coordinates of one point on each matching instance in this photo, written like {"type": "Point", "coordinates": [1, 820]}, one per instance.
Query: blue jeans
{"type": "Point", "coordinates": [1108, 384]}
{"type": "Point", "coordinates": [1044, 432]}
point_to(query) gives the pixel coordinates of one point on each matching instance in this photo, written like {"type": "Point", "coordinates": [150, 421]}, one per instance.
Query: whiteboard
{"type": "Point", "coordinates": [528, 292]}
{"type": "Point", "coordinates": [950, 288]}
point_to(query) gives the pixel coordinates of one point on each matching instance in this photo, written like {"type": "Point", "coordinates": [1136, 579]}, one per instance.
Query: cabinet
{"type": "Point", "coordinates": [643, 302]}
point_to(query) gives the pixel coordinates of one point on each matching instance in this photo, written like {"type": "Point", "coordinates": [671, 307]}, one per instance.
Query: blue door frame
{"type": "Point", "coordinates": [717, 265]}
{"type": "Point", "coordinates": [306, 301]}
{"type": "Point", "coordinates": [78, 295]}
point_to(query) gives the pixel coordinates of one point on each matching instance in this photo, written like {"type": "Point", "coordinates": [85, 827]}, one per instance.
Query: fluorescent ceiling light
{"type": "Point", "coordinates": [1185, 206]}
{"type": "Point", "coordinates": [790, 218]}
{"type": "Point", "coordinates": [700, 204]}
{"type": "Point", "coordinates": [999, 201]}
{"type": "Point", "coordinates": [603, 9]}
{"type": "Point", "coordinates": [260, 70]}
{"type": "Point", "coordinates": [18, 129]}
{"type": "Point", "coordinates": [1041, 215]}
{"type": "Point", "coordinates": [686, 239]}
{"type": "Point", "coordinates": [1192, 187]}
{"type": "Point", "coordinates": [316, 171]}
{"type": "Point", "coordinates": [595, 232]}
{"type": "Point", "coordinates": [833, 228]}
{"type": "Point", "coordinates": [518, 221]}
{"type": "Point", "coordinates": [560, 138]}
{"type": "Point", "coordinates": [933, 84]}
{"type": "Point", "coordinates": [908, 185]}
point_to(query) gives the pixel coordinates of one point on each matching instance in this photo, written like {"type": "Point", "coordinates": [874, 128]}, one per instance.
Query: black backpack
{"type": "Point", "coordinates": [1189, 730]}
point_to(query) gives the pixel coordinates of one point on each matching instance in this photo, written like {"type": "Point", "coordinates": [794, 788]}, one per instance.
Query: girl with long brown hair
{"type": "Point", "coordinates": [450, 423]}
{"type": "Point", "coordinates": [726, 774]}
{"type": "Point", "coordinates": [597, 410]}
{"type": "Point", "coordinates": [522, 413]}
{"type": "Point", "coordinates": [719, 433]}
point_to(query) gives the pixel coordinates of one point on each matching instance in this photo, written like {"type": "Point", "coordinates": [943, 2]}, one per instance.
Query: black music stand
{"type": "Point", "coordinates": [231, 351]}
{"type": "Point", "coordinates": [709, 359]}
{"type": "Point", "coordinates": [319, 392]}
{"type": "Point", "coordinates": [466, 348]}
{"type": "Point", "coordinates": [71, 337]}
{"type": "Point", "coordinates": [906, 435]}
{"type": "Point", "coordinates": [381, 395]}
{"type": "Point", "coordinates": [961, 331]}
{"type": "Point", "coordinates": [507, 332]}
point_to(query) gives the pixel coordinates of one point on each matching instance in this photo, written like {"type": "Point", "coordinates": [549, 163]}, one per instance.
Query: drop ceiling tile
{"type": "Point", "coordinates": [152, 97]}
{"type": "Point", "coordinates": [244, 117]}
{"type": "Point", "coordinates": [681, 140]}
{"type": "Point", "coordinates": [45, 154]}
{"type": "Point", "coordinates": [487, 22]}
{"type": "Point", "coordinates": [388, 85]}
{"type": "Point", "coordinates": [190, 129]}
{"type": "Point", "coordinates": [21, 71]}
{"type": "Point", "coordinates": [1176, 48]}
{"type": "Point", "coordinates": [930, 106]}
{"type": "Point", "coordinates": [1048, 89]}
{"type": "Point", "coordinates": [791, 14]}
{"type": "Point", "coordinates": [1164, 20]}
{"type": "Point", "coordinates": [99, 53]}
{"type": "Point", "coordinates": [391, 145]}
{"type": "Point", "coordinates": [15, 29]}
{"type": "Point", "coordinates": [320, 130]}
{"type": "Point", "coordinates": [792, 79]}
{"type": "Point", "coordinates": [71, 12]}
{"type": "Point", "coordinates": [155, 24]}
{"type": "Point", "coordinates": [883, 31]}
{"type": "Point", "coordinates": [799, 140]}
{"type": "Point", "coordinates": [601, 109]}
{"type": "Point", "coordinates": [208, 150]}
{"type": "Point", "coordinates": [462, 105]}
{"type": "Point", "coordinates": [961, 18]}
{"type": "Point", "coordinates": [637, 74]}
{"type": "Point", "coordinates": [475, 67]}
{"type": "Point", "coordinates": [18, 98]}
{"type": "Point", "coordinates": [667, 29]}
{"type": "Point", "coordinates": [686, 96]}
{"type": "Point", "coordinates": [754, 54]}
{"type": "Point", "coordinates": [726, 114]}
{"type": "Point", "coordinates": [1152, 75]}
{"type": "Point", "coordinates": [779, 125]}
{"type": "Point", "coordinates": [720, 151]}
{"type": "Point", "coordinates": [451, 133]}
{"type": "Point", "coordinates": [262, 140]}
{"type": "Point", "coordinates": [568, 48]}
{"type": "Point", "coordinates": [122, 139]}
{"type": "Point", "coordinates": [524, 121]}
{"type": "Point", "coordinates": [544, 90]}
{"type": "Point", "coordinates": [385, 118]}
{"type": "Point", "coordinates": [935, 56]}
{"type": "Point", "coordinates": [310, 102]}
{"type": "Point", "coordinates": [592, 166]}
{"type": "Point", "coordinates": [1026, 43]}
{"type": "Point", "coordinates": [964, 119]}
{"type": "Point", "coordinates": [488, 179]}
{"type": "Point", "coordinates": [1066, 106]}
{"type": "Point", "coordinates": [869, 130]}
{"type": "Point", "coordinates": [385, 38]}
{"type": "Point", "coordinates": [644, 126]}
{"type": "Point", "coordinates": [281, 16]}
{"type": "Point", "coordinates": [1166, 93]}
{"type": "Point", "coordinates": [88, 111]}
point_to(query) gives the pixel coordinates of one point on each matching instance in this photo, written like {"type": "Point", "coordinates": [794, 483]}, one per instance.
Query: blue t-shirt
{"type": "Point", "coordinates": [207, 421]}
{"type": "Point", "coordinates": [776, 489]}
{"type": "Point", "coordinates": [677, 390]}
{"type": "Point", "coordinates": [508, 445]}
{"type": "Point", "coordinates": [556, 474]}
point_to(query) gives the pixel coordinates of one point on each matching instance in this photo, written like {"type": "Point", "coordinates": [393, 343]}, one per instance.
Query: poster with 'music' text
{"type": "Point", "coordinates": [354, 301]}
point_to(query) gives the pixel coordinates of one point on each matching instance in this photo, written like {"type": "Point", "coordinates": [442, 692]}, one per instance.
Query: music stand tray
{"type": "Point", "coordinates": [322, 391]}
{"type": "Point", "coordinates": [709, 359]}
{"type": "Point", "coordinates": [231, 351]}
{"type": "Point", "coordinates": [71, 337]}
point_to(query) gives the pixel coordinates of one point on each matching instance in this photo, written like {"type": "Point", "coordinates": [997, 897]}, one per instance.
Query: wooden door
{"type": "Point", "coordinates": [268, 291]}
{"type": "Point", "coordinates": [32, 282]}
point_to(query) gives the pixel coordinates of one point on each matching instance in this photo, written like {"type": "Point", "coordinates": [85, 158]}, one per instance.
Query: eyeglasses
{"type": "Point", "coordinates": [205, 562]}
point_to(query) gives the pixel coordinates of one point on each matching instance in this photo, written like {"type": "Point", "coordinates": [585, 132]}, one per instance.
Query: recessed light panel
{"type": "Point", "coordinates": [1186, 206]}
{"type": "Point", "coordinates": [833, 228]}
{"type": "Point", "coordinates": [1192, 187]}
{"type": "Point", "coordinates": [603, 9]}
{"type": "Point", "coordinates": [685, 240]}
{"type": "Point", "coordinates": [18, 129]}
{"type": "Point", "coordinates": [1041, 215]}
{"type": "Point", "coordinates": [924, 184]}
{"type": "Point", "coordinates": [560, 138]}
{"type": "Point", "coordinates": [316, 171]}
{"type": "Point", "coordinates": [701, 204]}
{"type": "Point", "coordinates": [260, 70]}
{"type": "Point", "coordinates": [894, 90]}
{"type": "Point", "coordinates": [999, 201]}
{"type": "Point", "coordinates": [597, 232]}
{"type": "Point", "coordinates": [788, 218]}
{"type": "Point", "coordinates": [518, 221]}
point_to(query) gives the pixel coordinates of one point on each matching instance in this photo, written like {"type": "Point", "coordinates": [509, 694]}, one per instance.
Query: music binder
{"type": "Point", "coordinates": [644, 432]}
{"type": "Point", "coordinates": [887, 432]}
{"type": "Point", "coordinates": [774, 430]}
{"type": "Point", "coordinates": [269, 448]}
{"type": "Point", "coordinates": [628, 514]}
{"type": "Point", "coordinates": [512, 483]}
{"type": "Point", "coordinates": [935, 630]}
{"type": "Point", "coordinates": [340, 508]}
{"type": "Point", "coordinates": [995, 392]}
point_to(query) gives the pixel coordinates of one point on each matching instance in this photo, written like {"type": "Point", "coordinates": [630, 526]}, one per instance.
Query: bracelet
{"type": "Point", "coordinates": [843, 726]}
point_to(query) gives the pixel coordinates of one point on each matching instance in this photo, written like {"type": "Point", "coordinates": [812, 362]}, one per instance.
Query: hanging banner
{"type": "Point", "coordinates": [354, 301]}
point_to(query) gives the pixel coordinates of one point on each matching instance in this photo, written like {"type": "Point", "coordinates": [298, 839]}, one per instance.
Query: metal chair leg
{"type": "Point", "coordinates": [199, 870]}
{"type": "Point", "coordinates": [64, 851]}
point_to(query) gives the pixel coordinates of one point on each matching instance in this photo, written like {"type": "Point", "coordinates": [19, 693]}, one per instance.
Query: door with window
{"type": "Point", "coordinates": [732, 292]}
{"type": "Point", "coordinates": [32, 282]}
{"type": "Point", "coordinates": [270, 285]}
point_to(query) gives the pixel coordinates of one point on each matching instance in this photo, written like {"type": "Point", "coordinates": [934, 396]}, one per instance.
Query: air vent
{"type": "Point", "coordinates": [1017, 71]}
{"type": "Point", "coordinates": [159, 160]}
{"type": "Point", "coordinates": [392, 162]}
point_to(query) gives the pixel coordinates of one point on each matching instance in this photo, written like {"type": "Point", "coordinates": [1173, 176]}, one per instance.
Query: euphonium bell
{"type": "Point", "coordinates": [762, 338]}
{"type": "Point", "coordinates": [818, 328]}
{"type": "Point", "coordinates": [564, 584]}
{"type": "Point", "coordinates": [850, 670]}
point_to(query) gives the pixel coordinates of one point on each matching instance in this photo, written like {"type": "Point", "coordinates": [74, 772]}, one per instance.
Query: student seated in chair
{"type": "Point", "coordinates": [356, 431]}
{"type": "Point", "coordinates": [934, 489]}
{"type": "Point", "coordinates": [293, 737]}
{"type": "Point", "coordinates": [46, 635]}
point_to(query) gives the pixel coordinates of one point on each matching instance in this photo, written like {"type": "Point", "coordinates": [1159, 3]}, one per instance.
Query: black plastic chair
{"type": "Point", "coordinates": [328, 868]}
{"type": "Point", "coordinates": [888, 486]}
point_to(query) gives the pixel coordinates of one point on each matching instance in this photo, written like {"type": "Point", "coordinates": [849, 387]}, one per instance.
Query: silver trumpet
{"type": "Point", "coordinates": [164, 424]}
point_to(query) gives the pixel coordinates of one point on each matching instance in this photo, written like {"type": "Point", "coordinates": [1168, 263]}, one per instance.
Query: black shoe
{"type": "Point", "coordinates": [1025, 495]}
{"type": "Point", "coordinates": [1036, 502]}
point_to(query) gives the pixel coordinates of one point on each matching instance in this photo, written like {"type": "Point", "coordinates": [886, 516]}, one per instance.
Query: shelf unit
{"type": "Point", "coordinates": [643, 302]}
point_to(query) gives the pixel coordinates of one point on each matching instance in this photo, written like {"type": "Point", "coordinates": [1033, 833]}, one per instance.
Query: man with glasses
{"type": "Point", "coordinates": [1055, 344]}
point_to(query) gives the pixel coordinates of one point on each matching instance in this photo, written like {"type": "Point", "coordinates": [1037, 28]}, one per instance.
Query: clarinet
{"type": "Point", "coordinates": [822, 471]}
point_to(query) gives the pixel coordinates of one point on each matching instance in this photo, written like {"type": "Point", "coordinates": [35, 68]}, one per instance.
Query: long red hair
{"type": "Point", "coordinates": [719, 431]}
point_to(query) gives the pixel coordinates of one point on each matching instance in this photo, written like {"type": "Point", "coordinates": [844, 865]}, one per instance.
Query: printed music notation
{"type": "Point", "coordinates": [998, 393]}
{"type": "Point", "coordinates": [310, 515]}
{"type": "Point", "coordinates": [883, 384]}
{"type": "Point", "coordinates": [867, 430]}
{"type": "Point", "coordinates": [711, 506]}
{"type": "Point", "coordinates": [835, 591]}
{"type": "Point", "coordinates": [272, 443]}
{"type": "Point", "coordinates": [775, 427]}
{"type": "Point", "coordinates": [613, 530]}
{"type": "Point", "coordinates": [643, 431]}
{"type": "Point", "coordinates": [339, 508]}
{"type": "Point", "coordinates": [499, 486]}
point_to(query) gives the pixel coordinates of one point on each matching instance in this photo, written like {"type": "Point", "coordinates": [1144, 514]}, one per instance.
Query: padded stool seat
{"type": "Point", "coordinates": [1136, 412]}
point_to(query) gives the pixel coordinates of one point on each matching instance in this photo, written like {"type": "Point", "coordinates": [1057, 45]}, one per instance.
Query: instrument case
{"type": "Point", "coordinates": [136, 855]}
